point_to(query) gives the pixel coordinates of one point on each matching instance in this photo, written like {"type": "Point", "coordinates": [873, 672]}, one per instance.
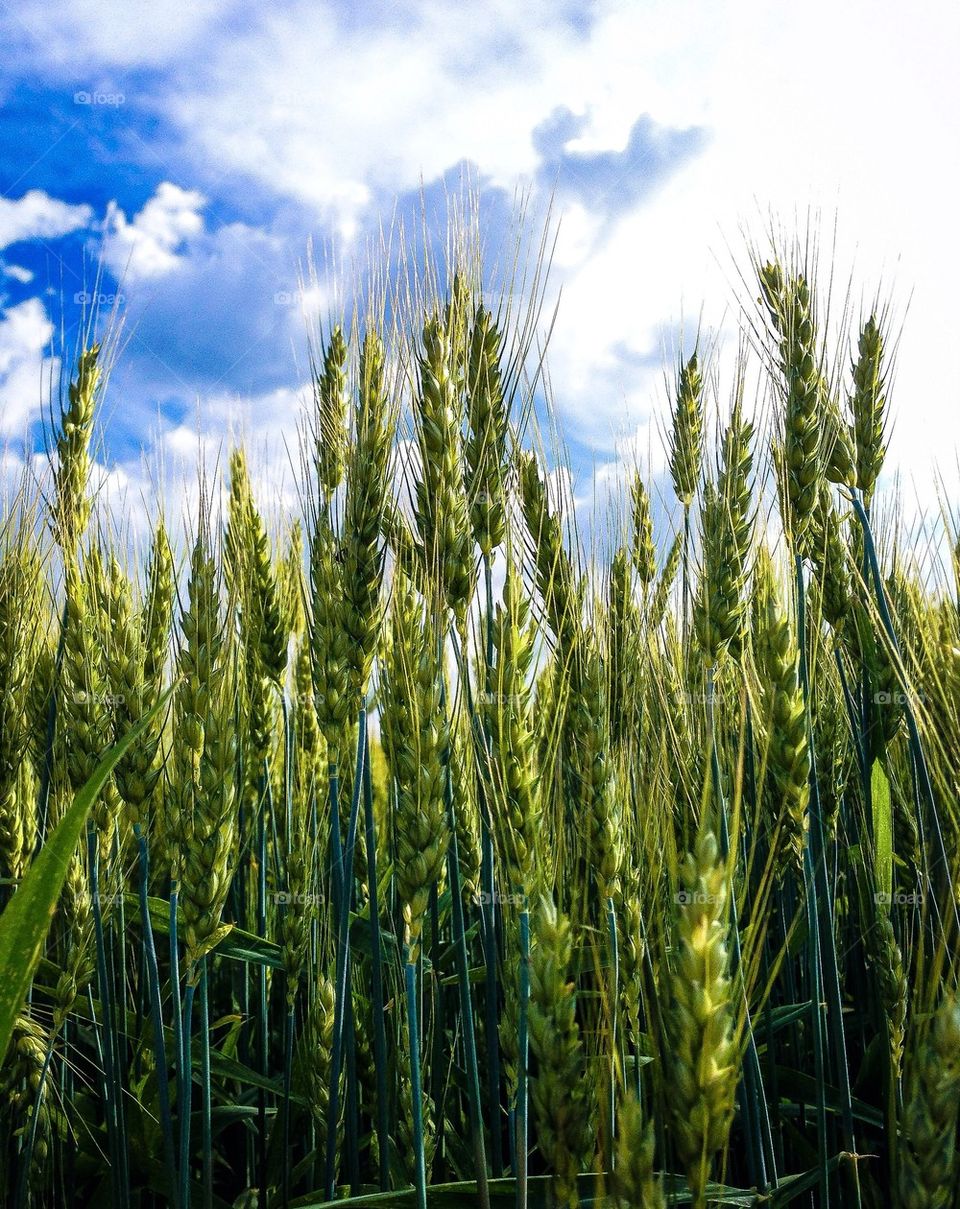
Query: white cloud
{"type": "Point", "coordinates": [90, 35]}
{"type": "Point", "coordinates": [17, 273]}
{"type": "Point", "coordinates": [25, 332]}
{"type": "Point", "coordinates": [36, 215]}
{"type": "Point", "coordinates": [848, 109]}
{"type": "Point", "coordinates": [154, 242]}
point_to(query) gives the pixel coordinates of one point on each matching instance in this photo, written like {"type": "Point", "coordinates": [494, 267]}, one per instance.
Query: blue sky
{"type": "Point", "coordinates": [191, 155]}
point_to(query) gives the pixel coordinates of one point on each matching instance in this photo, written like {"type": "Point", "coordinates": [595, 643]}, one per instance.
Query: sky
{"type": "Point", "coordinates": [174, 164]}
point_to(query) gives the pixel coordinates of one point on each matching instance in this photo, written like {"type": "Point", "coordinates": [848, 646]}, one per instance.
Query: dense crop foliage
{"type": "Point", "coordinates": [463, 855]}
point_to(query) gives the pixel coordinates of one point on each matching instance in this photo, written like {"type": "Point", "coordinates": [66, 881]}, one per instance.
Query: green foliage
{"type": "Point", "coordinates": [422, 714]}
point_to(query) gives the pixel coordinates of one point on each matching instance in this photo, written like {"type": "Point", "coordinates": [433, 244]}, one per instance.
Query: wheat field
{"type": "Point", "coordinates": [444, 855]}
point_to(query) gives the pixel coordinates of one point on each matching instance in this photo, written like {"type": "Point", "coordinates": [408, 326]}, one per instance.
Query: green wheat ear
{"type": "Point", "coordinates": [643, 550]}
{"type": "Point", "coordinates": [704, 1060]}
{"type": "Point", "coordinates": [440, 497]}
{"type": "Point", "coordinates": [782, 719]}
{"type": "Point", "coordinates": [829, 556]}
{"type": "Point", "coordinates": [486, 453]}
{"type": "Point", "coordinates": [928, 1142]}
{"type": "Point", "coordinates": [367, 503]}
{"type": "Point", "coordinates": [802, 452]}
{"type": "Point", "coordinates": [556, 578]}
{"type": "Point", "coordinates": [71, 509]}
{"type": "Point", "coordinates": [686, 434]}
{"type": "Point", "coordinates": [415, 737]}
{"type": "Point", "coordinates": [623, 645]}
{"type": "Point", "coordinates": [727, 523]}
{"type": "Point", "coordinates": [330, 414]}
{"type": "Point", "coordinates": [20, 613]}
{"type": "Point", "coordinates": [633, 1182]}
{"type": "Point", "coordinates": [887, 961]}
{"type": "Point", "coordinates": [205, 748]}
{"type": "Point", "coordinates": [868, 406]}
{"type": "Point", "coordinates": [557, 1091]}
{"type": "Point", "coordinates": [506, 710]}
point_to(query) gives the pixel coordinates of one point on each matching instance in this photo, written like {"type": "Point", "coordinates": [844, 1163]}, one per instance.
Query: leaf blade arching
{"type": "Point", "coordinates": [26, 920]}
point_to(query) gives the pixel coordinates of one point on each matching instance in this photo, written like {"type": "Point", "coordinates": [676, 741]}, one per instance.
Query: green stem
{"type": "Point", "coordinates": [466, 1013]}
{"type": "Point", "coordinates": [420, 1166]}
{"type": "Point", "coordinates": [614, 1006]}
{"type": "Point", "coordinates": [811, 859]}
{"type": "Point", "coordinates": [121, 1194]}
{"type": "Point", "coordinates": [186, 1090]}
{"type": "Point", "coordinates": [262, 1021]}
{"type": "Point", "coordinates": [205, 1082]}
{"type": "Point", "coordinates": [156, 1016]}
{"type": "Point", "coordinates": [523, 1059]}
{"type": "Point", "coordinates": [288, 1031]}
{"type": "Point", "coordinates": [343, 874]}
{"type": "Point", "coordinates": [488, 908]}
{"type": "Point", "coordinates": [376, 978]}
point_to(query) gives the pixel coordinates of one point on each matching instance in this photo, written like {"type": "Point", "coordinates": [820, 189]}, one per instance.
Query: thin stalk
{"type": "Point", "coordinates": [262, 1020]}
{"type": "Point", "coordinates": [376, 979]}
{"type": "Point", "coordinates": [205, 1083]}
{"type": "Point", "coordinates": [186, 1090]}
{"type": "Point", "coordinates": [117, 960]}
{"type": "Point", "coordinates": [812, 852]}
{"type": "Point", "coordinates": [121, 1194]}
{"type": "Point", "coordinates": [466, 1011]}
{"type": "Point", "coordinates": [524, 1047]}
{"type": "Point", "coordinates": [614, 1000]}
{"type": "Point", "coordinates": [343, 873]}
{"type": "Point", "coordinates": [290, 1018]}
{"type": "Point", "coordinates": [488, 915]}
{"type": "Point", "coordinates": [436, 1062]}
{"type": "Point", "coordinates": [156, 1016]}
{"type": "Point", "coordinates": [176, 1009]}
{"type": "Point", "coordinates": [685, 604]}
{"type": "Point", "coordinates": [352, 1116]}
{"type": "Point", "coordinates": [336, 843]}
{"type": "Point", "coordinates": [241, 887]}
{"type": "Point", "coordinates": [288, 1030]}
{"type": "Point", "coordinates": [420, 1166]}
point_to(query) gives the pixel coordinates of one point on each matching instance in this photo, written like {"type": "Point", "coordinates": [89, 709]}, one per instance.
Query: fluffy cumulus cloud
{"type": "Point", "coordinates": [154, 242]}
{"type": "Point", "coordinates": [25, 370]}
{"type": "Point", "coordinates": [36, 215]}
